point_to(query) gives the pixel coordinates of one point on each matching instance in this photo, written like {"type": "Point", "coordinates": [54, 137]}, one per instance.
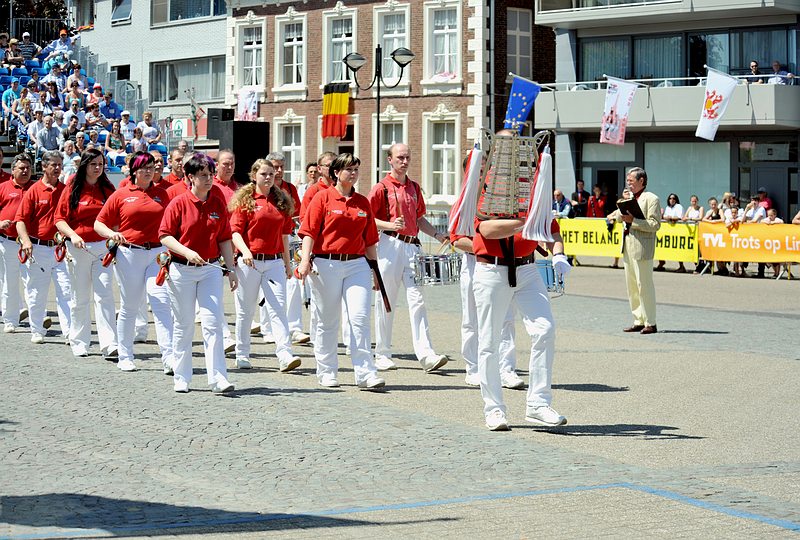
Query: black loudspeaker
{"type": "Point", "coordinates": [215, 117]}
{"type": "Point", "coordinates": [249, 142]}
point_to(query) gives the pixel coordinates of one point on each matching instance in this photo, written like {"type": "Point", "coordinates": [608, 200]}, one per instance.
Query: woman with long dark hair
{"type": "Point", "coordinates": [77, 210]}
{"type": "Point", "coordinates": [131, 218]}
{"type": "Point", "coordinates": [339, 230]}
{"type": "Point", "coordinates": [196, 230]}
{"type": "Point", "coordinates": [261, 222]}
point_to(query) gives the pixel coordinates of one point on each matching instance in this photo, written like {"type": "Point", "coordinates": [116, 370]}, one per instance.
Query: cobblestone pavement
{"type": "Point", "coordinates": [692, 432]}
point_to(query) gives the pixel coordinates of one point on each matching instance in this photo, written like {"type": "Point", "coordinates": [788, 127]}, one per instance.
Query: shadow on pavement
{"type": "Point", "coordinates": [643, 431]}
{"type": "Point", "coordinates": [693, 331]}
{"type": "Point", "coordinates": [590, 387]}
{"type": "Point", "coordinates": [124, 517]}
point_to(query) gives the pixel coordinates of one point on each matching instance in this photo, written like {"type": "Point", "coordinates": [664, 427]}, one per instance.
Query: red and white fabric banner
{"type": "Point", "coordinates": [719, 89]}
{"type": "Point", "coordinates": [619, 96]}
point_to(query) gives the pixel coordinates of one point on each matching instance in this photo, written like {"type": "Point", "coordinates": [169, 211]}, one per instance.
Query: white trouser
{"type": "Point", "coordinates": [493, 295]}
{"type": "Point", "coordinates": [12, 272]}
{"type": "Point", "coordinates": [294, 305]}
{"type": "Point", "coordinates": [136, 271]}
{"type": "Point", "coordinates": [201, 285]}
{"type": "Point", "coordinates": [395, 260]}
{"type": "Point", "coordinates": [39, 287]}
{"type": "Point", "coordinates": [269, 277]}
{"type": "Point", "coordinates": [141, 321]}
{"type": "Point", "coordinates": [88, 275]}
{"type": "Point", "coordinates": [469, 325]}
{"type": "Point", "coordinates": [349, 282]}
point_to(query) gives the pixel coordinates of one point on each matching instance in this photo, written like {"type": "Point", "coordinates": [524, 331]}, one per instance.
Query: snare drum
{"type": "Point", "coordinates": [554, 285]}
{"type": "Point", "coordinates": [437, 269]}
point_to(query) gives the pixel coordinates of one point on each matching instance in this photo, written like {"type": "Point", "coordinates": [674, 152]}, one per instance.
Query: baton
{"type": "Point", "coordinates": [373, 264]}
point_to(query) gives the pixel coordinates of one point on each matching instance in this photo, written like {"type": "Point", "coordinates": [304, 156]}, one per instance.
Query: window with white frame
{"type": "Point", "coordinates": [291, 56]}
{"type": "Point", "coordinates": [291, 144]}
{"type": "Point", "coordinates": [341, 44]}
{"type": "Point", "coordinates": [394, 34]}
{"type": "Point", "coordinates": [444, 52]}
{"type": "Point", "coordinates": [391, 133]}
{"type": "Point", "coordinates": [519, 30]}
{"type": "Point", "coordinates": [163, 11]}
{"type": "Point", "coordinates": [252, 55]}
{"type": "Point", "coordinates": [121, 10]}
{"type": "Point", "coordinates": [348, 142]}
{"type": "Point", "coordinates": [444, 161]}
{"type": "Point", "coordinates": [169, 81]}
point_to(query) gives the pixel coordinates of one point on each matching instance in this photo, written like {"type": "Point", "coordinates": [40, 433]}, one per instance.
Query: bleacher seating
{"type": "Point", "coordinates": [19, 72]}
{"type": "Point", "coordinates": [160, 147]}
{"type": "Point", "coordinates": [23, 81]}
{"type": "Point", "coordinates": [32, 63]}
{"type": "Point", "coordinates": [114, 169]}
{"type": "Point", "coordinates": [5, 80]}
{"type": "Point", "coordinates": [90, 82]}
{"type": "Point", "coordinates": [101, 138]}
{"type": "Point", "coordinates": [5, 71]}
{"type": "Point", "coordinates": [120, 161]}
{"type": "Point", "coordinates": [42, 72]}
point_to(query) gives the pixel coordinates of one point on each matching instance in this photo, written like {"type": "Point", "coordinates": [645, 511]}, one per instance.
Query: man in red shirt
{"type": "Point", "coordinates": [175, 175]}
{"type": "Point", "coordinates": [400, 215]}
{"type": "Point", "coordinates": [294, 296]}
{"type": "Point", "coordinates": [11, 194]}
{"type": "Point", "coordinates": [506, 276]}
{"type": "Point", "coordinates": [226, 164]}
{"type": "Point", "coordinates": [36, 228]}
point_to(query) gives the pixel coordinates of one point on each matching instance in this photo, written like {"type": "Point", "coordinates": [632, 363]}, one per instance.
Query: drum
{"type": "Point", "coordinates": [554, 285]}
{"type": "Point", "coordinates": [437, 269]}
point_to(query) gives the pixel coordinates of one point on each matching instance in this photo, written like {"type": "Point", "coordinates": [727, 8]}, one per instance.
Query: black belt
{"type": "Point", "coordinates": [184, 262]}
{"type": "Point", "coordinates": [144, 245]}
{"type": "Point", "coordinates": [3, 235]}
{"type": "Point", "coordinates": [48, 243]}
{"type": "Point", "coordinates": [500, 261]}
{"type": "Point", "coordinates": [338, 256]}
{"type": "Point", "coordinates": [403, 237]}
{"type": "Point", "coordinates": [267, 256]}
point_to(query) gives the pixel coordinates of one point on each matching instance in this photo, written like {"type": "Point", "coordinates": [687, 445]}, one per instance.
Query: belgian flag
{"type": "Point", "coordinates": [335, 104]}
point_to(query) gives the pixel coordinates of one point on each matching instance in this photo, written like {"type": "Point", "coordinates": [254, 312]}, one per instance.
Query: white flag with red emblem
{"type": "Point", "coordinates": [719, 89]}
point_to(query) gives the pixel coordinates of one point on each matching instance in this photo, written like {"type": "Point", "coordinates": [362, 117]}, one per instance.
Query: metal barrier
{"type": "Point", "coordinates": [43, 31]}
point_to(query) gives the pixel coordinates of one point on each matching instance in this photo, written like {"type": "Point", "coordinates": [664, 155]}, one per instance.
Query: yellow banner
{"type": "Point", "coordinates": [750, 242]}
{"type": "Point", "coordinates": [591, 237]}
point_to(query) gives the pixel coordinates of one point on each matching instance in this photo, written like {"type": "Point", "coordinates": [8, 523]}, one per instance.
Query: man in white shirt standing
{"type": "Point", "coordinates": [126, 125]}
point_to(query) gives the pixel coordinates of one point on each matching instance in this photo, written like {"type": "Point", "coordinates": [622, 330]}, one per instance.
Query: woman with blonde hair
{"type": "Point", "coordinates": [261, 222]}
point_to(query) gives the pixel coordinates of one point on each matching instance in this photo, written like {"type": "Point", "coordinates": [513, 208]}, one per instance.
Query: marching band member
{"type": "Point", "coordinates": [261, 220]}
{"type": "Point", "coordinates": [196, 230]}
{"type": "Point", "coordinates": [399, 211]}
{"type": "Point", "coordinates": [339, 230]}
{"type": "Point", "coordinates": [506, 276]}
{"type": "Point", "coordinates": [176, 174]}
{"type": "Point", "coordinates": [36, 228]}
{"type": "Point", "coordinates": [11, 194]}
{"type": "Point", "coordinates": [77, 209]}
{"type": "Point", "coordinates": [131, 218]}
{"type": "Point", "coordinates": [294, 300]}
{"type": "Point", "coordinates": [226, 164]}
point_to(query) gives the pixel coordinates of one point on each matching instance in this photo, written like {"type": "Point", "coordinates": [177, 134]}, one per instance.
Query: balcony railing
{"type": "Point", "coordinates": [550, 6]}
{"type": "Point", "coordinates": [663, 82]}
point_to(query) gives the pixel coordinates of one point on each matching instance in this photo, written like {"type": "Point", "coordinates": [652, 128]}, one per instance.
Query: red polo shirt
{"type": "Point", "coordinates": [11, 195]}
{"type": "Point", "coordinates": [308, 196]}
{"type": "Point", "coordinates": [289, 188]}
{"type": "Point", "coordinates": [339, 224]}
{"type": "Point", "coordinates": [228, 189]}
{"type": "Point", "coordinates": [4, 176]}
{"type": "Point", "coordinates": [176, 190]}
{"type": "Point", "coordinates": [491, 247]}
{"type": "Point", "coordinates": [38, 209]}
{"type": "Point", "coordinates": [405, 199]}
{"type": "Point", "coordinates": [172, 179]}
{"type": "Point", "coordinates": [262, 229]}
{"type": "Point", "coordinates": [81, 219]}
{"type": "Point", "coordinates": [198, 225]}
{"type": "Point", "coordinates": [135, 212]}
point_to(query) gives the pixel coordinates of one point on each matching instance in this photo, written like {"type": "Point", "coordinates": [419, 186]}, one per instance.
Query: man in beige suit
{"type": "Point", "coordinates": [639, 249]}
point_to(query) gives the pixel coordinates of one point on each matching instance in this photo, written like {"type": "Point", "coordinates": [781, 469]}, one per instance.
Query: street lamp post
{"type": "Point", "coordinates": [354, 61]}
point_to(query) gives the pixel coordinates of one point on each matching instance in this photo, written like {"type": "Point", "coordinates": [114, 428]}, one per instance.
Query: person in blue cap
{"type": "Point", "coordinates": [9, 96]}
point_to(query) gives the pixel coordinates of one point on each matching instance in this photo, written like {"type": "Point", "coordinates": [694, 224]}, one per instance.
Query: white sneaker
{"type": "Point", "coordinates": [290, 364]}
{"type": "Point", "coordinates": [510, 379]}
{"type": "Point", "coordinates": [168, 370]}
{"type": "Point", "coordinates": [384, 363]}
{"type": "Point", "coordinates": [181, 387]}
{"type": "Point", "coordinates": [126, 365]}
{"type": "Point", "coordinates": [9, 328]}
{"type": "Point", "coordinates": [544, 415]}
{"type": "Point", "coordinates": [496, 421]}
{"type": "Point", "coordinates": [47, 323]}
{"type": "Point", "coordinates": [37, 338]}
{"type": "Point", "coordinates": [373, 382]}
{"type": "Point", "coordinates": [222, 387]}
{"type": "Point", "coordinates": [243, 363]}
{"type": "Point", "coordinates": [328, 381]}
{"type": "Point", "coordinates": [433, 362]}
{"type": "Point", "coordinates": [472, 379]}
{"type": "Point", "coordinates": [229, 344]}
{"type": "Point", "coordinates": [300, 337]}
{"type": "Point", "coordinates": [269, 339]}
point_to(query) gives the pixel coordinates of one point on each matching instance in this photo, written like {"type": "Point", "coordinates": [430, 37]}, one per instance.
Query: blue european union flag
{"type": "Point", "coordinates": [520, 102]}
